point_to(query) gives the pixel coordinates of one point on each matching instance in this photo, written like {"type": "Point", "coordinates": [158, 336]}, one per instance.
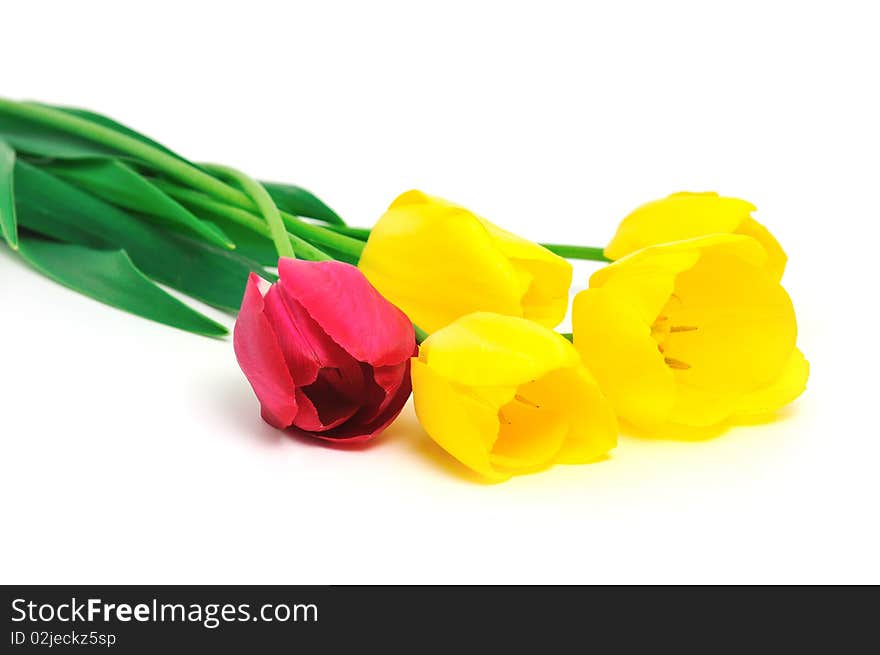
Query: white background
{"type": "Point", "coordinates": [133, 453]}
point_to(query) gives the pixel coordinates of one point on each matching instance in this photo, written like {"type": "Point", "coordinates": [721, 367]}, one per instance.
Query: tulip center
{"type": "Point", "coordinates": [531, 427]}
{"type": "Point", "coordinates": [665, 326]}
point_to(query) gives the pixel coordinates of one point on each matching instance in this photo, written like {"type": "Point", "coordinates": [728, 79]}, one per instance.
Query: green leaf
{"type": "Point", "coordinates": [84, 134]}
{"type": "Point", "coordinates": [44, 141]}
{"type": "Point", "coordinates": [8, 226]}
{"type": "Point", "coordinates": [50, 206]}
{"type": "Point", "coordinates": [300, 202]}
{"type": "Point", "coordinates": [120, 184]}
{"type": "Point", "coordinates": [248, 243]}
{"type": "Point", "coordinates": [110, 277]}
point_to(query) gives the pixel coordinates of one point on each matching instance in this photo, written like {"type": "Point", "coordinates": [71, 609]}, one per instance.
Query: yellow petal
{"type": "Point", "coordinates": [547, 276]}
{"type": "Point", "coordinates": [700, 407]}
{"type": "Point", "coordinates": [646, 279]}
{"type": "Point", "coordinates": [460, 424]}
{"type": "Point", "coordinates": [437, 262]}
{"type": "Point", "coordinates": [679, 216]}
{"type": "Point", "coordinates": [484, 349]}
{"type": "Point", "coordinates": [788, 386]}
{"type": "Point", "coordinates": [533, 426]}
{"type": "Point", "coordinates": [737, 326]}
{"type": "Point", "coordinates": [592, 425]}
{"type": "Point", "coordinates": [776, 257]}
{"type": "Point", "coordinates": [506, 396]}
{"type": "Point", "coordinates": [615, 343]}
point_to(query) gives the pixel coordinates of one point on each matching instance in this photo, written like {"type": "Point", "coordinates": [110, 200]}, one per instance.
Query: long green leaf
{"type": "Point", "coordinates": [116, 182]}
{"type": "Point", "coordinates": [300, 202]}
{"type": "Point", "coordinates": [50, 206]}
{"type": "Point", "coordinates": [110, 277]}
{"type": "Point", "coordinates": [8, 224]}
{"type": "Point", "coordinates": [60, 123]}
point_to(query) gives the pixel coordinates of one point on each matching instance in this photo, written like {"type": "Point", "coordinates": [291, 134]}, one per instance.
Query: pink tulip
{"type": "Point", "coordinates": [325, 353]}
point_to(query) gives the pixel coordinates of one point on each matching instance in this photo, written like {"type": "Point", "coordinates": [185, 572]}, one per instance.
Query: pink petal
{"type": "Point", "coordinates": [357, 429]}
{"type": "Point", "coordinates": [349, 309]}
{"type": "Point", "coordinates": [306, 347]}
{"type": "Point", "coordinates": [386, 380]}
{"type": "Point", "coordinates": [261, 360]}
{"type": "Point", "coordinates": [331, 400]}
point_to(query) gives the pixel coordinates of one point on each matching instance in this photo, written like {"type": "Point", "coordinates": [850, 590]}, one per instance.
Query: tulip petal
{"type": "Point", "coordinates": [386, 381]}
{"type": "Point", "coordinates": [785, 389]}
{"type": "Point", "coordinates": [366, 423]}
{"type": "Point", "coordinates": [483, 349]}
{"type": "Point", "coordinates": [261, 360]}
{"type": "Point", "coordinates": [776, 257]}
{"type": "Point", "coordinates": [593, 426]}
{"type": "Point", "coordinates": [333, 398]}
{"type": "Point", "coordinates": [533, 425]}
{"type": "Point", "coordinates": [616, 345]}
{"type": "Point", "coordinates": [304, 350]}
{"type": "Point", "coordinates": [679, 216]}
{"type": "Point", "coordinates": [647, 278]}
{"type": "Point", "coordinates": [456, 422]}
{"type": "Point", "coordinates": [741, 325]}
{"type": "Point", "coordinates": [347, 307]}
{"type": "Point", "coordinates": [701, 407]}
{"type": "Point", "coordinates": [438, 262]}
{"type": "Point", "coordinates": [547, 276]}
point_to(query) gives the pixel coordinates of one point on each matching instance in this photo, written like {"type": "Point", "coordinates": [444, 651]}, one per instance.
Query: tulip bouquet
{"type": "Point", "coordinates": [686, 324]}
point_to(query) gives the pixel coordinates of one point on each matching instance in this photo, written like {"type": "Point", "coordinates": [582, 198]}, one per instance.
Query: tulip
{"type": "Point", "coordinates": [692, 333]}
{"type": "Point", "coordinates": [438, 262]}
{"type": "Point", "coordinates": [324, 352]}
{"type": "Point", "coordinates": [687, 215]}
{"type": "Point", "coordinates": [504, 395]}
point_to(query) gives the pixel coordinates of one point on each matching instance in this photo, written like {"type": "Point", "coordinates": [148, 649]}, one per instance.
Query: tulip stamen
{"type": "Point", "coordinates": [503, 418]}
{"type": "Point", "coordinates": [526, 401]}
{"type": "Point", "coordinates": [677, 364]}
{"type": "Point", "coordinates": [683, 328]}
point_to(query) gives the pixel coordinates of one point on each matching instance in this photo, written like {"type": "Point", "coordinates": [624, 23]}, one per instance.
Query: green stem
{"type": "Point", "coordinates": [156, 158]}
{"type": "Point", "coordinates": [362, 233]}
{"type": "Point", "coordinates": [421, 335]}
{"type": "Point", "coordinates": [325, 236]}
{"type": "Point", "coordinates": [563, 250]}
{"type": "Point", "coordinates": [567, 335]}
{"type": "Point", "coordinates": [173, 168]}
{"type": "Point", "coordinates": [264, 204]}
{"type": "Point", "coordinates": [199, 201]}
{"type": "Point", "coordinates": [577, 252]}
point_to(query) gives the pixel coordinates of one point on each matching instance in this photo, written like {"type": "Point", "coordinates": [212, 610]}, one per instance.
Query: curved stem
{"type": "Point", "coordinates": [172, 167]}
{"type": "Point", "coordinates": [324, 236]}
{"type": "Point", "coordinates": [167, 164]}
{"type": "Point", "coordinates": [264, 203]}
{"type": "Point", "coordinates": [200, 201]}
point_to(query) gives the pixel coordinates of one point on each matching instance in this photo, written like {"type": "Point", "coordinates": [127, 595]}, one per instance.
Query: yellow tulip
{"type": "Point", "coordinates": [504, 395]}
{"type": "Point", "coordinates": [687, 215]}
{"type": "Point", "coordinates": [692, 332]}
{"type": "Point", "coordinates": [437, 261]}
